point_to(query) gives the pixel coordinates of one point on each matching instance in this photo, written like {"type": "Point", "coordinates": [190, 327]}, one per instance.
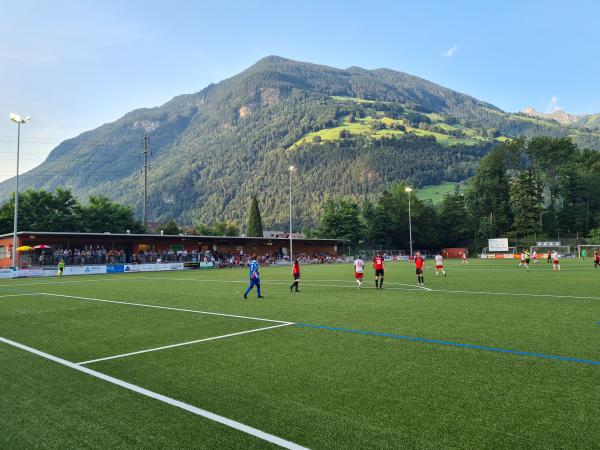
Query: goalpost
{"type": "Point", "coordinates": [543, 248]}
{"type": "Point", "coordinates": [589, 248]}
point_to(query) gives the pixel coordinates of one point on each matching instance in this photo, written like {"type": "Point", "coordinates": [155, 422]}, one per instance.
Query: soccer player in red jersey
{"type": "Point", "coordinates": [420, 264]}
{"type": "Point", "coordinates": [296, 274]}
{"type": "Point", "coordinates": [596, 259]}
{"type": "Point", "coordinates": [379, 266]}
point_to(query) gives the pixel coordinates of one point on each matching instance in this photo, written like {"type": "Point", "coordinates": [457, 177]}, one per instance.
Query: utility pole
{"type": "Point", "coordinates": [146, 153]}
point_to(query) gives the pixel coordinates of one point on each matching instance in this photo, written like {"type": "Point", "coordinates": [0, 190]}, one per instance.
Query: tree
{"type": "Point", "coordinates": [341, 220]}
{"type": "Point", "coordinates": [548, 159]}
{"type": "Point", "coordinates": [218, 229]}
{"type": "Point", "coordinates": [40, 210]}
{"type": "Point", "coordinates": [524, 204]}
{"type": "Point", "coordinates": [455, 220]}
{"type": "Point", "coordinates": [170, 227]}
{"type": "Point", "coordinates": [255, 228]}
{"type": "Point", "coordinates": [487, 194]}
{"type": "Point", "coordinates": [103, 215]}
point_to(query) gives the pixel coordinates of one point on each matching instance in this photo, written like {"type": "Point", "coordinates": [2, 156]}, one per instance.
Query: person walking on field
{"type": "Point", "coordinates": [420, 265]}
{"type": "Point", "coordinates": [555, 261]}
{"type": "Point", "coordinates": [439, 265]}
{"type": "Point", "coordinates": [296, 275]}
{"type": "Point", "coordinates": [379, 266]}
{"type": "Point", "coordinates": [254, 278]}
{"type": "Point", "coordinates": [596, 259]}
{"type": "Point", "coordinates": [61, 268]}
{"type": "Point", "coordinates": [359, 270]}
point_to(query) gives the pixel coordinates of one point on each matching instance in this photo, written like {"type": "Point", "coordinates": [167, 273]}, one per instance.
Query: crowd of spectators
{"type": "Point", "coordinates": [95, 255]}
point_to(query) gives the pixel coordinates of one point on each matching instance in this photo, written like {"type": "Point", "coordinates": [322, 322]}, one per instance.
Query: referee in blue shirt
{"type": "Point", "coordinates": [254, 278]}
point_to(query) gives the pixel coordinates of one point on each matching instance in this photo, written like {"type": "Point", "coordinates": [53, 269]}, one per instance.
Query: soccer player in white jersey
{"type": "Point", "coordinates": [522, 261]}
{"type": "Point", "coordinates": [439, 265]}
{"type": "Point", "coordinates": [359, 270]}
{"type": "Point", "coordinates": [555, 261]}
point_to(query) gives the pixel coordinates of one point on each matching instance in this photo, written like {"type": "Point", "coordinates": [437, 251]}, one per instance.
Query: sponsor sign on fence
{"type": "Point", "coordinates": [7, 273]}
{"type": "Point", "coordinates": [29, 272]}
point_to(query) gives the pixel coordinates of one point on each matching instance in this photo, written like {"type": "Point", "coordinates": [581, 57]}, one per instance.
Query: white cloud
{"type": "Point", "coordinates": [553, 105]}
{"type": "Point", "coordinates": [450, 52]}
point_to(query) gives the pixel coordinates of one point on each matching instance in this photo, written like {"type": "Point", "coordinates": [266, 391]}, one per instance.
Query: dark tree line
{"type": "Point", "coordinates": [525, 190]}
{"type": "Point", "coordinates": [40, 210]}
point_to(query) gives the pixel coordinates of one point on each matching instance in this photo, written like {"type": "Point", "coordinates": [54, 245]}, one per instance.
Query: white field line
{"type": "Point", "coordinates": [169, 308]}
{"type": "Point", "coordinates": [516, 294]}
{"type": "Point", "coordinates": [123, 355]}
{"type": "Point", "coordinates": [17, 295]}
{"type": "Point", "coordinates": [285, 283]}
{"type": "Point", "coordinates": [52, 283]}
{"type": "Point", "coordinates": [162, 398]}
{"type": "Point", "coordinates": [413, 288]}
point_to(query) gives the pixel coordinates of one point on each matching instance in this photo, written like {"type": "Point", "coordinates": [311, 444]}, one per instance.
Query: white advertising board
{"type": "Point", "coordinates": [155, 267]}
{"type": "Point", "coordinates": [498, 245]}
{"type": "Point", "coordinates": [7, 273]}
{"type": "Point", "coordinates": [29, 272]}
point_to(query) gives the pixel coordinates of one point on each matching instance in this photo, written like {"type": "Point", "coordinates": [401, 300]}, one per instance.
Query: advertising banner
{"type": "Point", "coordinates": [29, 272]}
{"type": "Point", "coordinates": [211, 265]}
{"type": "Point", "coordinates": [115, 268]}
{"type": "Point", "coordinates": [83, 270]}
{"type": "Point", "coordinates": [498, 245]}
{"type": "Point", "coordinates": [156, 267]}
{"type": "Point", "coordinates": [7, 273]}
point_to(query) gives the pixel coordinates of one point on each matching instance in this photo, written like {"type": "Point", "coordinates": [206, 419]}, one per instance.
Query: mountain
{"type": "Point", "coordinates": [349, 132]}
{"type": "Point", "coordinates": [558, 115]}
{"type": "Point", "coordinates": [589, 122]}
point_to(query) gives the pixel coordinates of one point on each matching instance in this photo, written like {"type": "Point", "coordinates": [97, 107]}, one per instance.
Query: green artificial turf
{"type": "Point", "coordinates": [347, 374]}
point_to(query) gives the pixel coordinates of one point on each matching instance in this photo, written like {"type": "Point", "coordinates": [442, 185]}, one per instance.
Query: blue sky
{"type": "Point", "coordinates": [73, 66]}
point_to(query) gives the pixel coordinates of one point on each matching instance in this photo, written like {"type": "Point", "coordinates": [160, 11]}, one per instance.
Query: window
{"type": "Point", "coordinates": [2, 252]}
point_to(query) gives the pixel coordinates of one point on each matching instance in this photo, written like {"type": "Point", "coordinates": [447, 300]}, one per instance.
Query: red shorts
{"type": "Point", "coordinates": [358, 275]}
{"type": "Point", "coordinates": [555, 261]}
{"type": "Point", "coordinates": [439, 267]}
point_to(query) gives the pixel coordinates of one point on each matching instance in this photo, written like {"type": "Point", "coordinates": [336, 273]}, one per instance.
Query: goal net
{"type": "Point", "coordinates": [564, 251]}
{"type": "Point", "coordinates": [587, 251]}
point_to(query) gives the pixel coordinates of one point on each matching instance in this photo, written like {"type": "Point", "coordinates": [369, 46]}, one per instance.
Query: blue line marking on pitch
{"type": "Point", "coordinates": [452, 344]}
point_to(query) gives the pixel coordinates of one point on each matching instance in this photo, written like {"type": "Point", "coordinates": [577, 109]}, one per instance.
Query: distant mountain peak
{"type": "Point", "coordinates": [557, 115]}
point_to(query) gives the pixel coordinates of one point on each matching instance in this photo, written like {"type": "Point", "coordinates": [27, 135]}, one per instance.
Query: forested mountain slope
{"type": "Point", "coordinates": [350, 132]}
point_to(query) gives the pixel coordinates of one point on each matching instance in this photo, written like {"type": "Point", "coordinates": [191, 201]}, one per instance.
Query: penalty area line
{"type": "Point", "coordinates": [181, 344]}
{"type": "Point", "coordinates": [162, 398]}
{"type": "Point", "coordinates": [169, 308]}
{"type": "Point", "coordinates": [19, 295]}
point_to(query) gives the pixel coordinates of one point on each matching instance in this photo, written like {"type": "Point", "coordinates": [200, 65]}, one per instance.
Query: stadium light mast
{"type": "Point", "coordinates": [291, 170]}
{"type": "Point", "coordinates": [408, 190]}
{"type": "Point", "coordinates": [18, 120]}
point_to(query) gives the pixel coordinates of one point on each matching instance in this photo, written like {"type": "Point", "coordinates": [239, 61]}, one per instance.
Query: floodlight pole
{"type": "Point", "coordinates": [16, 216]}
{"type": "Point", "coordinates": [408, 191]}
{"type": "Point", "coordinates": [18, 120]}
{"type": "Point", "coordinates": [291, 170]}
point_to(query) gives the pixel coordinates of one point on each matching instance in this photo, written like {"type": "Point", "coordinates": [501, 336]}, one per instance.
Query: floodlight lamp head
{"type": "Point", "coordinates": [408, 189]}
{"type": "Point", "coordinates": [291, 168]}
{"type": "Point", "coordinates": [18, 119]}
